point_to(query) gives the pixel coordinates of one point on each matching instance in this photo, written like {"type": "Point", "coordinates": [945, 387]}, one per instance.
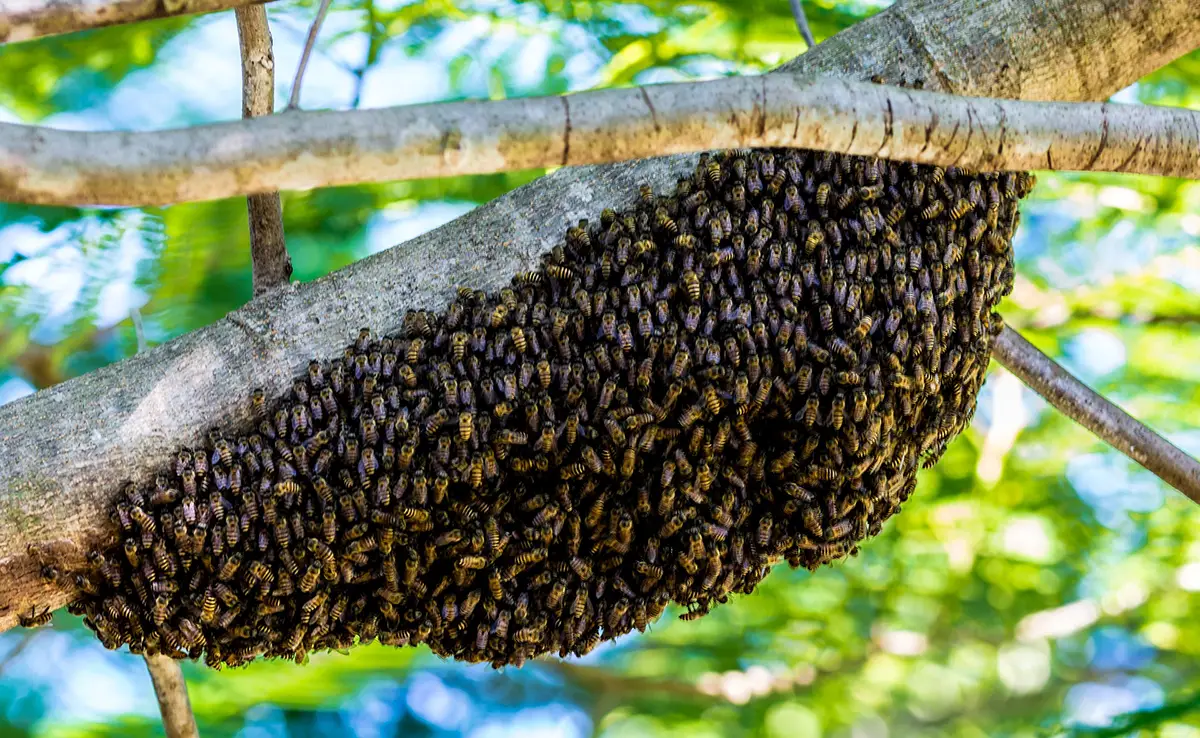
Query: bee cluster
{"type": "Point", "coordinates": [685, 393]}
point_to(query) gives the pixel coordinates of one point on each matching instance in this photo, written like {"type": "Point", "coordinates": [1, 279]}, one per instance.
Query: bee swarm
{"type": "Point", "coordinates": [748, 370]}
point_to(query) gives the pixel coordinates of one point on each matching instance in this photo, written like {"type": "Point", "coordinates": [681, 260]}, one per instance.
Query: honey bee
{"type": "Point", "coordinates": [665, 223]}
{"type": "Point", "coordinates": [581, 568]}
{"type": "Point", "coordinates": [977, 230]}
{"type": "Point", "coordinates": [810, 411]}
{"type": "Point", "coordinates": [691, 284]}
{"type": "Point", "coordinates": [822, 197]}
{"type": "Point", "coordinates": [35, 619]}
{"type": "Point", "coordinates": [471, 562]}
{"type": "Point", "coordinates": [961, 208]}
{"type": "Point", "coordinates": [309, 581]}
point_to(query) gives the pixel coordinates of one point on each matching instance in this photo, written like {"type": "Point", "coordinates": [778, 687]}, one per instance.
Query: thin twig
{"type": "Point", "coordinates": [360, 73]}
{"type": "Point", "coordinates": [16, 650]}
{"type": "Point", "coordinates": [1110, 423]}
{"type": "Point", "coordinates": [294, 100]}
{"type": "Point", "coordinates": [171, 690]}
{"type": "Point", "coordinates": [139, 330]}
{"type": "Point", "coordinates": [303, 150]}
{"type": "Point", "coordinates": [802, 22]}
{"type": "Point", "coordinates": [270, 264]}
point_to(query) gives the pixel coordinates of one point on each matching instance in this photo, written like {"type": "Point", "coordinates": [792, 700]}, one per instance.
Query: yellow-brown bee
{"type": "Point", "coordinates": [471, 562]}
{"type": "Point", "coordinates": [811, 408]}
{"type": "Point", "coordinates": [309, 581]}
{"type": "Point", "coordinates": [822, 197]}
{"type": "Point", "coordinates": [35, 619]}
{"type": "Point", "coordinates": [691, 285]}
{"type": "Point", "coordinates": [665, 222]}
{"type": "Point", "coordinates": [837, 411]}
{"type": "Point", "coordinates": [961, 208]}
{"type": "Point", "coordinates": [977, 230]}
{"type": "Point", "coordinates": [815, 238]}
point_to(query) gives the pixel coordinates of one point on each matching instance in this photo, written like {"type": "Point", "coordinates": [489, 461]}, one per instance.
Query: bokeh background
{"type": "Point", "coordinates": [1039, 584]}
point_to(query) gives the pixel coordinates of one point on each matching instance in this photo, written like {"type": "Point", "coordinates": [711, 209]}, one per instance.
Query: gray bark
{"type": "Point", "coordinates": [302, 150]}
{"type": "Point", "coordinates": [270, 263]}
{"type": "Point", "coordinates": [64, 451]}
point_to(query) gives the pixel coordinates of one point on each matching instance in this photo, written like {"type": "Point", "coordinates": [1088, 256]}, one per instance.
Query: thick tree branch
{"type": "Point", "coordinates": [171, 690]}
{"type": "Point", "coordinates": [1110, 423]}
{"type": "Point", "coordinates": [305, 150]}
{"type": "Point", "coordinates": [271, 266]}
{"type": "Point", "coordinates": [21, 20]}
{"type": "Point", "coordinates": [1018, 49]}
{"type": "Point", "coordinates": [67, 449]}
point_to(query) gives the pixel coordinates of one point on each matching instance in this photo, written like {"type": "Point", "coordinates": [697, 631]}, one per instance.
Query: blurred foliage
{"type": "Point", "coordinates": [1039, 584]}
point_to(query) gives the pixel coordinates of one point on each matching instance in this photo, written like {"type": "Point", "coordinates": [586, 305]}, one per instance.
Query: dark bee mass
{"type": "Point", "coordinates": [685, 393]}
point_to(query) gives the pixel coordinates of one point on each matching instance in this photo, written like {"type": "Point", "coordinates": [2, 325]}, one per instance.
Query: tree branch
{"type": "Point", "coordinates": [139, 330]}
{"type": "Point", "coordinates": [305, 150]}
{"type": "Point", "coordinates": [171, 690]}
{"type": "Point", "coordinates": [67, 449]}
{"type": "Point", "coordinates": [271, 266]}
{"type": "Point", "coordinates": [1110, 423]}
{"type": "Point", "coordinates": [600, 680]}
{"type": "Point", "coordinates": [309, 43]}
{"type": "Point", "coordinates": [22, 642]}
{"type": "Point", "coordinates": [21, 20]}
{"type": "Point", "coordinates": [802, 23]}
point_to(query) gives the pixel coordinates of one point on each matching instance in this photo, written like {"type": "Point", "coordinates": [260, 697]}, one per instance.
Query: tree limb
{"type": "Point", "coordinates": [21, 20]}
{"type": "Point", "coordinates": [270, 264]}
{"type": "Point", "coordinates": [1110, 423]}
{"type": "Point", "coordinates": [171, 690]}
{"type": "Point", "coordinates": [67, 449]}
{"type": "Point", "coordinates": [303, 150]}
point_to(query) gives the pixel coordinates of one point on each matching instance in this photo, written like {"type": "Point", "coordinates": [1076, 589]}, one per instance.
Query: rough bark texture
{"type": "Point", "coordinates": [21, 20]}
{"type": "Point", "coordinates": [1017, 49]}
{"type": "Point", "coordinates": [270, 263]}
{"type": "Point", "coordinates": [67, 449]}
{"type": "Point", "coordinates": [444, 139]}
